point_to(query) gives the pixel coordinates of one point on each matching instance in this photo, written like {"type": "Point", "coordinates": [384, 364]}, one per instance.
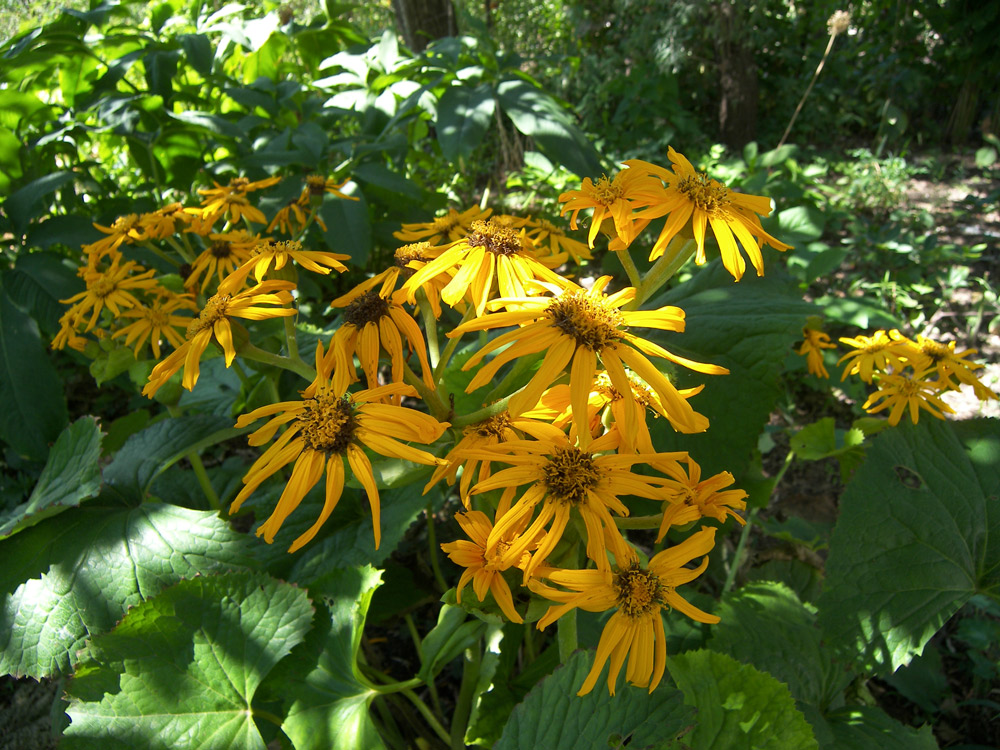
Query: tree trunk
{"type": "Point", "coordinates": [422, 21]}
{"type": "Point", "coordinates": [737, 78]}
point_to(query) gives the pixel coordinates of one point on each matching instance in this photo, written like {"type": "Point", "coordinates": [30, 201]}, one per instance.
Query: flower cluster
{"type": "Point", "coordinates": [910, 375]}
{"type": "Point", "coordinates": [553, 442]}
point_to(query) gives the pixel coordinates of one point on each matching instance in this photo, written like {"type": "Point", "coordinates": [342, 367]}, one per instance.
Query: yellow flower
{"type": "Point", "coordinates": [562, 477]}
{"type": "Point", "coordinates": [407, 260]}
{"type": "Point", "coordinates": [872, 353]}
{"type": "Point", "coordinates": [451, 227]}
{"type": "Point", "coordinates": [322, 432]}
{"type": "Point", "coordinates": [575, 328]}
{"type": "Point", "coordinates": [635, 630]}
{"type": "Point", "coordinates": [694, 197]}
{"type": "Point", "coordinates": [123, 230]}
{"type": "Point", "coordinates": [157, 321]}
{"type": "Point", "coordinates": [266, 253]}
{"type": "Point", "coordinates": [815, 341]}
{"type": "Point", "coordinates": [606, 409]}
{"type": "Point", "coordinates": [926, 354]}
{"type": "Point", "coordinates": [493, 259]}
{"type": "Point", "coordinates": [228, 251]}
{"type": "Point", "coordinates": [616, 199]}
{"type": "Point", "coordinates": [689, 497]}
{"type": "Point", "coordinates": [112, 288]}
{"type": "Point", "coordinates": [482, 436]}
{"type": "Point", "coordinates": [552, 240]}
{"type": "Point", "coordinates": [291, 218]}
{"type": "Point", "coordinates": [372, 321]}
{"type": "Point", "coordinates": [317, 185]}
{"type": "Point", "coordinates": [213, 320]}
{"type": "Point", "coordinates": [905, 391]}
{"type": "Point", "coordinates": [232, 199]}
{"type": "Point", "coordinates": [163, 222]}
{"type": "Point", "coordinates": [485, 569]}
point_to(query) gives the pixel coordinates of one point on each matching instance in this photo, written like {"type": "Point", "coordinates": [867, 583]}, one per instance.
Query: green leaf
{"type": "Point", "coordinates": [916, 538]}
{"type": "Point", "coordinates": [10, 160]}
{"type": "Point", "coordinates": [156, 448]}
{"type": "Point", "coordinates": [453, 633]}
{"type": "Point", "coordinates": [76, 574]}
{"type": "Point", "coordinates": [37, 283]}
{"type": "Point", "coordinates": [348, 227]}
{"type": "Point", "coordinates": [868, 728]}
{"type": "Point", "coordinates": [797, 225]}
{"type": "Point", "coordinates": [539, 116]}
{"type": "Point", "coordinates": [553, 717]}
{"type": "Point", "coordinates": [34, 407]}
{"type": "Point", "coordinates": [182, 668]}
{"type": "Point", "coordinates": [765, 624]}
{"type": "Point", "coordinates": [463, 117]}
{"type": "Point", "coordinates": [71, 475]}
{"type": "Point", "coordinates": [738, 706]}
{"type": "Point", "coordinates": [198, 49]}
{"type": "Point", "coordinates": [23, 206]}
{"type": "Point", "coordinates": [747, 327]}
{"type": "Point", "coordinates": [326, 696]}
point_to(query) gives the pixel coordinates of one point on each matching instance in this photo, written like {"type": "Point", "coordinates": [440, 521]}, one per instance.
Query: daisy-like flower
{"type": "Point", "coordinates": [451, 227]}
{"type": "Point", "coordinates": [228, 251]}
{"type": "Point", "coordinates": [553, 240]}
{"type": "Point", "coordinates": [266, 254]}
{"type": "Point", "coordinates": [617, 199]}
{"type": "Point", "coordinates": [317, 185]}
{"type": "Point", "coordinates": [254, 303]}
{"type": "Point", "coordinates": [291, 218]}
{"type": "Point", "coordinates": [693, 197]}
{"type": "Point", "coordinates": [813, 344]}
{"type": "Point", "coordinates": [873, 353]}
{"type": "Point", "coordinates": [639, 594]}
{"type": "Point", "coordinates": [484, 569]}
{"type": "Point", "coordinates": [113, 288]}
{"type": "Point", "coordinates": [494, 258]}
{"type": "Point", "coordinates": [163, 222]}
{"type": "Point", "coordinates": [907, 392]}
{"type": "Point", "coordinates": [575, 329]}
{"type": "Point", "coordinates": [407, 260]}
{"type": "Point", "coordinates": [123, 230]}
{"type": "Point", "coordinates": [606, 409]}
{"type": "Point", "coordinates": [689, 498]}
{"type": "Point", "coordinates": [942, 359]}
{"type": "Point", "coordinates": [373, 322]}
{"type": "Point", "coordinates": [561, 477]}
{"type": "Point", "coordinates": [325, 430]}
{"type": "Point", "coordinates": [157, 321]}
{"type": "Point", "coordinates": [482, 436]}
{"type": "Point", "coordinates": [231, 199]}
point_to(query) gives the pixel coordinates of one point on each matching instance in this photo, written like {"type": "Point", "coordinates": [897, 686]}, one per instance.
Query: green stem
{"type": "Point", "coordinates": [482, 414]}
{"type": "Point", "coordinates": [267, 716]}
{"type": "Point", "coordinates": [738, 554]}
{"type": "Point", "coordinates": [675, 256]}
{"type": "Point", "coordinates": [745, 533]}
{"type": "Point", "coordinates": [430, 329]}
{"type": "Point", "coordinates": [398, 687]}
{"type": "Point", "coordinates": [417, 643]}
{"type": "Point", "coordinates": [432, 398]}
{"type": "Point", "coordinates": [199, 469]}
{"type": "Point", "coordinates": [466, 695]}
{"type": "Point", "coordinates": [795, 114]}
{"type": "Point", "coordinates": [625, 258]}
{"type": "Point", "coordinates": [249, 351]}
{"type": "Point", "coordinates": [159, 253]}
{"type": "Point", "coordinates": [434, 549]}
{"type": "Point", "coordinates": [452, 344]}
{"type": "Point", "coordinates": [429, 716]}
{"type": "Point", "coordinates": [290, 339]}
{"type": "Point", "coordinates": [566, 635]}
{"type": "Point", "coordinates": [185, 253]}
{"type": "Point", "coordinates": [206, 484]}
